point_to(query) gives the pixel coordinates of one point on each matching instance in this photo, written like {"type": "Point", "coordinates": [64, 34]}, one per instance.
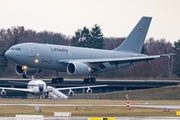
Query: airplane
{"type": "Point", "coordinates": [31, 58]}
{"type": "Point", "coordinates": [39, 87]}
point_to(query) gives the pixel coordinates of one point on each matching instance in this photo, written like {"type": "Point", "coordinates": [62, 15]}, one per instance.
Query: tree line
{"type": "Point", "coordinates": [93, 38]}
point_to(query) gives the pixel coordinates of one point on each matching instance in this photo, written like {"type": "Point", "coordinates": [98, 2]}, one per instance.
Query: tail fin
{"type": "Point", "coordinates": [135, 40]}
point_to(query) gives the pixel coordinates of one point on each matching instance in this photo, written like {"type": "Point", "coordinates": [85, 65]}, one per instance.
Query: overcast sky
{"type": "Point", "coordinates": [116, 17]}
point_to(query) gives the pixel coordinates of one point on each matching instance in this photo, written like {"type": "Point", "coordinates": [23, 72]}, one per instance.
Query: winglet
{"type": "Point", "coordinates": [167, 55]}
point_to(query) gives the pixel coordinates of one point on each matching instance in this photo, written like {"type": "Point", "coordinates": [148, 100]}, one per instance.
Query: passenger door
{"type": "Point", "coordinates": [31, 51]}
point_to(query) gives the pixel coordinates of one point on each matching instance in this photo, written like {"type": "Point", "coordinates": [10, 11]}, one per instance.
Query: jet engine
{"type": "Point", "coordinates": [89, 90]}
{"type": "Point", "coordinates": [70, 92]}
{"type": "Point", "coordinates": [78, 68]}
{"type": "Point", "coordinates": [3, 92]}
{"type": "Point", "coordinates": [25, 71]}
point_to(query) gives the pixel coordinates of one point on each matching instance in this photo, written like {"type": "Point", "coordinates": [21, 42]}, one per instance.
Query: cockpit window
{"type": "Point", "coordinates": [17, 49]}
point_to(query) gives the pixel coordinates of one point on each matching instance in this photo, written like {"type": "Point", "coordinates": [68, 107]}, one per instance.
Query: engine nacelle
{"type": "Point", "coordinates": [78, 68]}
{"type": "Point", "coordinates": [20, 70]}
{"type": "Point", "coordinates": [3, 92]}
{"type": "Point", "coordinates": [70, 92]}
{"type": "Point", "coordinates": [89, 90]}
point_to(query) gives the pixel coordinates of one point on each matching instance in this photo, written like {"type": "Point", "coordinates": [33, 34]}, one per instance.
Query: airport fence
{"type": "Point", "coordinates": [122, 97]}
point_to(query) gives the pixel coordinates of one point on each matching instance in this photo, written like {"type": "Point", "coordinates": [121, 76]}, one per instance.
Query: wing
{"type": "Point", "coordinates": [116, 61]}
{"type": "Point", "coordinates": [17, 89]}
{"type": "Point", "coordinates": [80, 87]}
{"type": "Point", "coordinates": [17, 82]}
{"type": "Point", "coordinates": [124, 59]}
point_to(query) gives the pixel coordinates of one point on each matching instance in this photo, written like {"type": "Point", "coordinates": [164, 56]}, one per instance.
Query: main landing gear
{"type": "Point", "coordinates": [89, 80]}
{"type": "Point", "coordinates": [57, 79]}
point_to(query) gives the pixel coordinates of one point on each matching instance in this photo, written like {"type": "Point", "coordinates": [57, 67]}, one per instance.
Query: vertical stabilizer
{"type": "Point", "coordinates": [32, 77]}
{"type": "Point", "coordinates": [135, 40]}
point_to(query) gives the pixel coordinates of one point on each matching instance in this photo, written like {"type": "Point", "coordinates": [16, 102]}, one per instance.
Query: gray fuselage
{"type": "Point", "coordinates": [48, 56]}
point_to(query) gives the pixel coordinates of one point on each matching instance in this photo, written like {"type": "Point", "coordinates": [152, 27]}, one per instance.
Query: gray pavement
{"type": "Point", "coordinates": [116, 118]}
{"type": "Point", "coordinates": [86, 118]}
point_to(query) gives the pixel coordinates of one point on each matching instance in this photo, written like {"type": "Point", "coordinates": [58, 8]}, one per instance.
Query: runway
{"type": "Point", "coordinates": [86, 118]}
{"type": "Point", "coordinates": [119, 118]}
{"type": "Point", "coordinates": [147, 106]}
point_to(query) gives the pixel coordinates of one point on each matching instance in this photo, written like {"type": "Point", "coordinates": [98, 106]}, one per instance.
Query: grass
{"type": "Point", "coordinates": [91, 111]}
{"type": "Point", "coordinates": [77, 101]}
{"type": "Point", "coordinates": [163, 93]}
{"type": "Point", "coordinates": [155, 96]}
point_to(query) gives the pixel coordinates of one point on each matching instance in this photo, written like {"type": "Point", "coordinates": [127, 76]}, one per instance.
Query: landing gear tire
{"type": "Point", "coordinates": [85, 80]}
{"type": "Point", "coordinates": [89, 80]}
{"type": "Point", "coordinates": [57, 80]}
{"type": "Point", "coordinates": [61, 80]}
{"type": "Point", "coordinates": [93, 79]}
{"type": "Point", "coordinates": [53, 80]}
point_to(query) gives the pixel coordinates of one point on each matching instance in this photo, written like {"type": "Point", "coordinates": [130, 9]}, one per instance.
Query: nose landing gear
{"type": "Point", "coordinates": [25, 75]}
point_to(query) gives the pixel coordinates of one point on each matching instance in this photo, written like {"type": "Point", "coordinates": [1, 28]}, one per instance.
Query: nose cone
{"type": "Point", "coordinates": [41, 88]}
{"type": "Point", "coordinates": [7, 54]}
{"type": "Point", "coordinates": [10, 55]}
